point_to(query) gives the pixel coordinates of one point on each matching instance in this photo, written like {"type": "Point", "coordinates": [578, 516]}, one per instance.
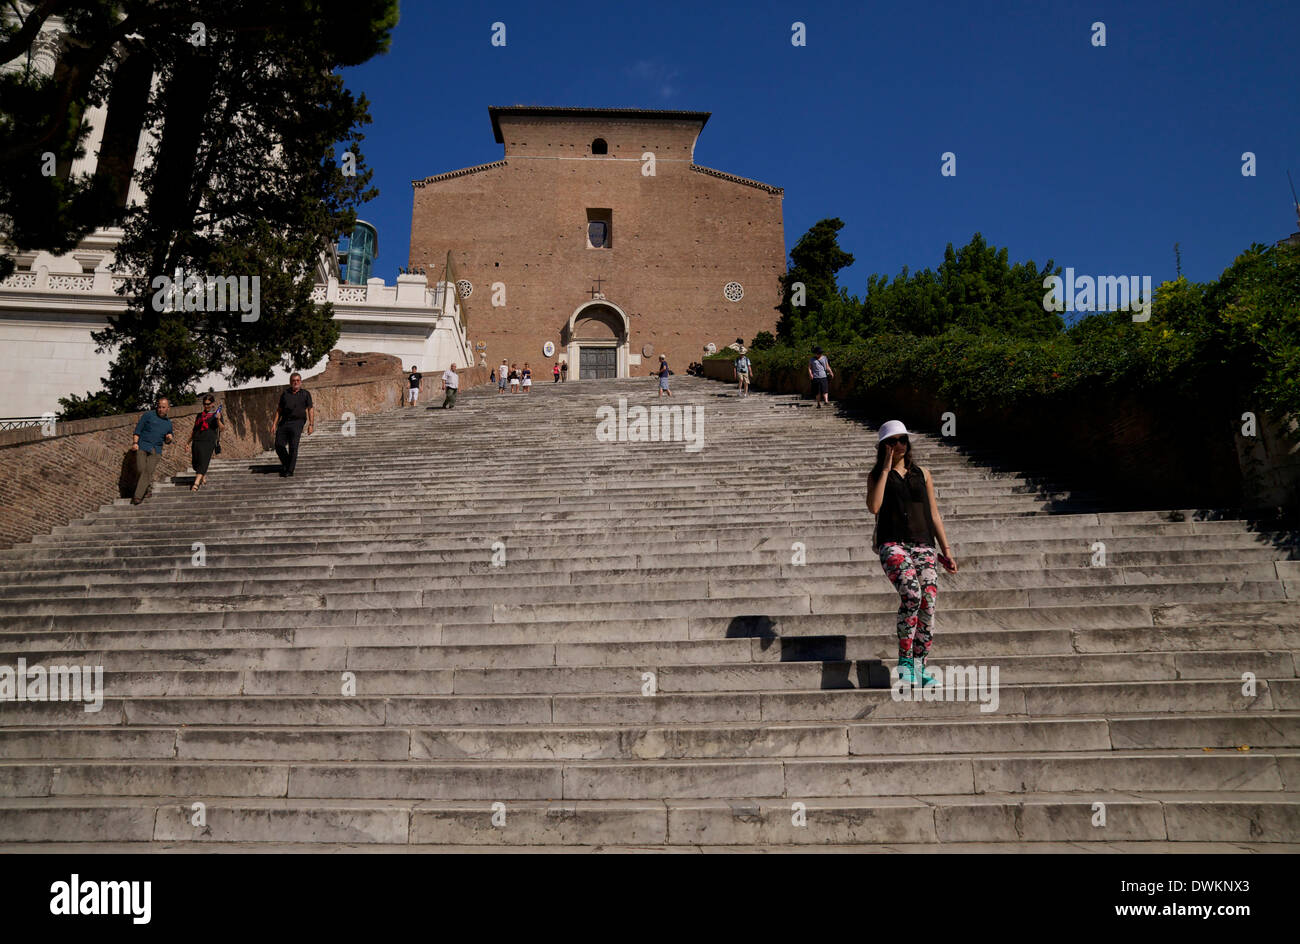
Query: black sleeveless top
{"type": "Point", "coordinates": [904, 516]}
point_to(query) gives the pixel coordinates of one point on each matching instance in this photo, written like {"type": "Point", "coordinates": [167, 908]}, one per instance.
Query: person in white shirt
{"type": "Point", "coordinates": [502, 372]}
{"type": "Point", "coordinates": [451, 384]}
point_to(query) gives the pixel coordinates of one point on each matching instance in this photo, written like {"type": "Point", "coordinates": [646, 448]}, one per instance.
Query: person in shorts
{"type": "Point", "coordinates": [664, 374]}
{"type": "Point", "coordinates": [514, 378]}
{"type": "Point", "coordinates": [526, 379]}
{"type": "Point", "coordinates": [413, 394]}
{"type": "Point", "coordinates": [819, 370]}
{"type": "Point", "coordinates": [742, 368]}
{"type": "Point", "coordinates": [502, 371]}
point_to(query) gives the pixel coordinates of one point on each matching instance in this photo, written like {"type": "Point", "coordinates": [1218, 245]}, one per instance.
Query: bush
{"type": "Point", "coordinates": [1237, 339]}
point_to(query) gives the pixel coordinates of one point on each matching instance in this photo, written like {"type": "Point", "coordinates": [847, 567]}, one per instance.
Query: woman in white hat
{"type": "Point", "coordinates": [901, 496]}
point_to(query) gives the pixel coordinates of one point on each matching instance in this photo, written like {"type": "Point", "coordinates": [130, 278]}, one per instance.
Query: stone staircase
{"type": "Point", "coordinates": [485, 627]}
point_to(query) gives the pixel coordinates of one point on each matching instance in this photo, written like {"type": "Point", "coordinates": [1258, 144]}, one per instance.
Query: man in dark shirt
{"type": "Point", "coordinates": [151, 431]}
{"type": "Point", "coordinates": [414, 393]}
{"type": "Point", "coordinates": [295, 409]}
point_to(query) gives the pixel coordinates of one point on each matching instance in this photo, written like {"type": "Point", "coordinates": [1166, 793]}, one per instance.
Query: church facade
{"type": "Point", "coordinates": [598, 241]}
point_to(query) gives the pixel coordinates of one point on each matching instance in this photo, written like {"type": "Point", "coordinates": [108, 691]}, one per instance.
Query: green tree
{"type": "Point", "coordinates": [814, 262]}
{"type": "Point", "coordinates": [1254, 327]}
{"type": "Point", "coordinates": [240, 182]}
{"type": "Point", "coordinates": [909, 304]}
{"type": "Point", "coordinates": [985, 292]}
{"type": "Point", "coordinates": [44, 117]}
{"type": "Point", "coordinates": [975, 289]}
{"type": "Point", "coordinates": [1179, 306]}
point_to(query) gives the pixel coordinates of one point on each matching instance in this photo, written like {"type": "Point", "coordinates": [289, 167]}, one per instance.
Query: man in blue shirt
{"type": "Point", "coordinates": [152, 430]}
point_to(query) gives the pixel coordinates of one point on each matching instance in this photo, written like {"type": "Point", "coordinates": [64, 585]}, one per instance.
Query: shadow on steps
{"type": "Point", "coordinates": [837, 671]}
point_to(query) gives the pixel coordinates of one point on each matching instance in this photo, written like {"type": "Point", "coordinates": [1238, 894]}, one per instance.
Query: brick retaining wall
{"type": "Point", "coordinates": [1144, 450]}
{"type": "Point", "coordinates": [47, 481]}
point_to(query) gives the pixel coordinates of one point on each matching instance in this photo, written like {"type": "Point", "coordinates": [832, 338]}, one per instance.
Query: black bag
{"type": "Point", "coordinates": [216, 450]}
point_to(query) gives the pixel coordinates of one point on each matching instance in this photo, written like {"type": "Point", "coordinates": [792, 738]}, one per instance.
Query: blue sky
{"type": "Point", "coordinates": [1098, 158]}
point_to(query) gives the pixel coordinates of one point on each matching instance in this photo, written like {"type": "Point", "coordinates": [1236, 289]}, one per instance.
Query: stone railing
{"type": "Point", "coordinates": [410, 291]}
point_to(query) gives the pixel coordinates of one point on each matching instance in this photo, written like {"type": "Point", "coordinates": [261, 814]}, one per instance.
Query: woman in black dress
{"type": "Point", "coordinates": [203, 438]}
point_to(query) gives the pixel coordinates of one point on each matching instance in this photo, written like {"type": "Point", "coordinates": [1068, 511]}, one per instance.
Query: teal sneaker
{"type": "Point", "coordinates": [905, 673]}
{"type": "Point", "coordinates": [926, 678]}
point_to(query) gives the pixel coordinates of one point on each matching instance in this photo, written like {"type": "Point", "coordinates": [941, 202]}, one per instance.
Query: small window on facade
{"type": "Point", "coordinates": [600, 225]}
{"type": "Point", "coordinates": [599, 146]}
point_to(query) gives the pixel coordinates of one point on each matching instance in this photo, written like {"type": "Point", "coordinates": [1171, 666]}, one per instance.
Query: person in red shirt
{"type": "Point", "coordinates": [204, 439]}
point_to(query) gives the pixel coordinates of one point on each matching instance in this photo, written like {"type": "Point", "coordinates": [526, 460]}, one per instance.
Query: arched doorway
{"type": "Point", "coordinates": [596, 339]}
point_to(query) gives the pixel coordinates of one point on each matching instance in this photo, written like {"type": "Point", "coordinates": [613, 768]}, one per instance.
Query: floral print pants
{"type": "Point", "coordinates": [912, 569]}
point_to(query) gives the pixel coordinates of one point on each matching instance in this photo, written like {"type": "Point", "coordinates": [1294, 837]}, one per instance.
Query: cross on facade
{"type": "Point", "coordinates": [596, 291]}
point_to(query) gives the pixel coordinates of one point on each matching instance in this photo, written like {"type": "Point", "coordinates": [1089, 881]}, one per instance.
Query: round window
{"type": "Point", "coordinates": [733, 291]}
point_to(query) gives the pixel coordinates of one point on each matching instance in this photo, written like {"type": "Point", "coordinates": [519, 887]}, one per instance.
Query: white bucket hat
{"type": "Point", "coordinates": [892, 428]}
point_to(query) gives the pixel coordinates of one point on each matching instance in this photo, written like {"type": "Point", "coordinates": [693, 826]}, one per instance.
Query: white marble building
{"type": "Point", "coordinates": [50, 305]}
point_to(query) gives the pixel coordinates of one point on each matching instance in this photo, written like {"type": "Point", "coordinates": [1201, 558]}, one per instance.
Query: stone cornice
{"type": "Point", "coordinates": [457, 173]}
{"type": "Point", "coordinates": [739, 180]}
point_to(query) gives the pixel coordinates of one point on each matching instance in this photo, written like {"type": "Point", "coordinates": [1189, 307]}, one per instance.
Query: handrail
{"type": "Point", "coordinates": [22, 422]}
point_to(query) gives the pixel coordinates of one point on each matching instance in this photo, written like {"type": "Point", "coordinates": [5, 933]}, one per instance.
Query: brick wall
{"type": "Point", "coordinates": [676, 239]}
{"type": "Point", "coordinates": [47, 481]}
